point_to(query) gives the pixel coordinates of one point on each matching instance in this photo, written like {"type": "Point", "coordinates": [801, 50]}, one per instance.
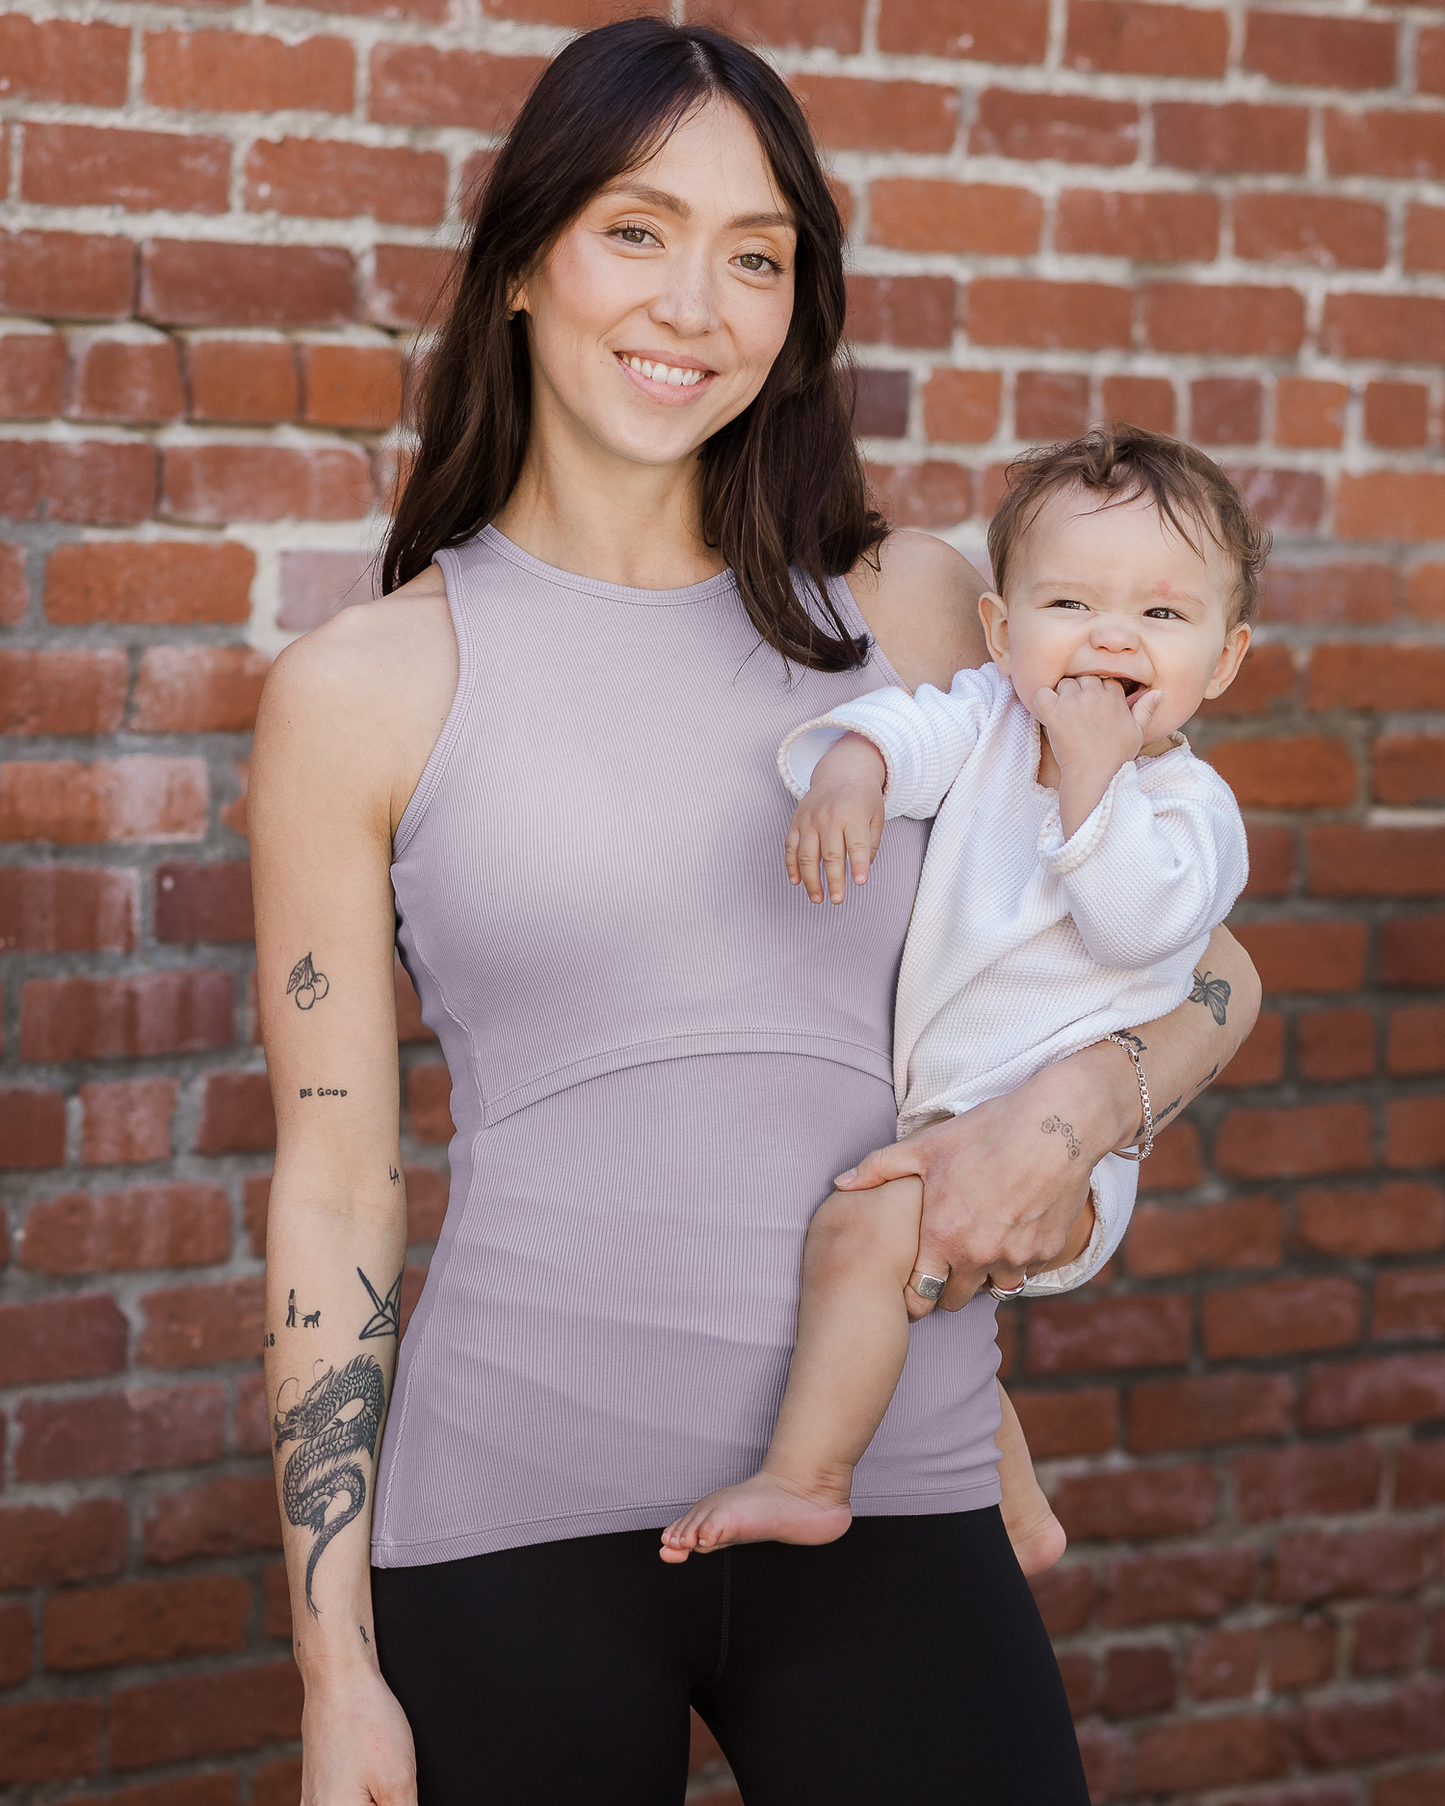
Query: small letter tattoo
{"type": "Point", "coordinates": [1214, 992]}
{"type": "Point", "coordinates": [395, 1175]}
{"type": "Point", "coordinates": [365, 1639]}
{"type": "Point", "coordinates": [1051, 1125]}
{"type": "Point", "coordinates": [307, 983]}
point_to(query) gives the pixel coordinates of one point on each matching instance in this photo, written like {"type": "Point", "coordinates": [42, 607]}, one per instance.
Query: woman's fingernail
{"type": "Point", "coordinates": [843, 1178]}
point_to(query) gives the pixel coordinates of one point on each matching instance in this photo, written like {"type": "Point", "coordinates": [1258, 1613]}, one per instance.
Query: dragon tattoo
{"type": "Point", "coordinates": [339, 1416]}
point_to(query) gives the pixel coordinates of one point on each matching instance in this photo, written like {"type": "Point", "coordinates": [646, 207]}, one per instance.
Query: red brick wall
{"type": "Point", "coordinates": [1223, 219]}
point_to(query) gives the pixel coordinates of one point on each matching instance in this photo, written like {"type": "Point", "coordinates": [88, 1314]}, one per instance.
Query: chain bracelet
{"type": "Point", "coordinates": [1148, 1147]}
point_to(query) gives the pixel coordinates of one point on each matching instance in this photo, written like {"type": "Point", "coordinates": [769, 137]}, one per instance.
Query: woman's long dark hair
{"type": "Point", "coordinates": [782, 484]}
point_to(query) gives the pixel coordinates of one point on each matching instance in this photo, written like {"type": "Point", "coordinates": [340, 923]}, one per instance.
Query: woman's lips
{"type": "Point", "coordinates": [660, 388]}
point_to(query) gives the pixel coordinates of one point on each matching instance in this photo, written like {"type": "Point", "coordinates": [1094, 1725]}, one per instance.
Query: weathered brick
{"type": "Point", "coordinates": [1416, 1041]}
{"type": "Point", "coordinates": [98, 166]}
{"type": "Point", "coordinates": [1213, 1752]}
{"type": "Point", "coordinates": [1146, 401]}
{"type": "Point", "coordinates": [975, 29]}
{"type": "Point", "coordinates": [1305, 771]}
{"type": "Point", "coordinates": [41, 1545]}
{"type": "Point", "coordinates": [1083, 1422]}
{"type": "Point", "coordinates": [1388, 1389]}
{"type": "Point", "coordinates": [103, 483]}
{"type": "Point", "coordinates": [1260, 1061]}
{"type": "Point", "coordinates": [1137, 1502]}
{"type": "Point", "coordinates": [1226, 410]}
{"type": "Point", "coordinates": [1321, 594]}
{"type": "Point", "coordinates": [189, 283]}
{"type": "Point", "coordinates": [209, 902]}
{"type": "Point", "coordinates": [1420, 1474]}
{"type": "Point", "coordinates": [198, 690]}
{"type": "Point", "coordinates": [1133, 37]}
{"type": "Point", "coordinates": [120, 1432]}
{"type": "Point", "coordinates": [1067, 128]}
{"type": "Point", "coordinates": [1405, 145]}
{"type": "Point", "coordinates": [32, 1127]}
{"type": "Point", "coordinates": [1328, 231]}
{"type": "Point", "coordinates": [1222, 1664]}
{"type": "Point", "coordinates": [62, 692]}
{"type": "Point", "coordinates": [221, 483]}
{"type": "Point", "coordinates": [126, 1121]}
{"type": "Point", "coordinates": [918, 214]}
{"type": "Point", "coordinates": [68, 1338]}
{"type": "Point", "coordinates": [1234, 321]}
{"type": "Point", "coordinates": [1397, 415]}
{"type": "Point", "coordinates": [1409, 768]}
{"type": "Point", "coordinates": [236, 1114]}
{"type": "Point", "coordinates": [1400, 1217]}
{"type": "Point", "coordinates": [173, 1225]}
{"type": "Point", "coordinates": [1403, 328]}
{"type": "Point", "coordinates": [1209, 1408]}
{"type": "Point", "coordinates": [198, 1326]}
{"type": "Point", "coordinates": [125, 379]}
{"type": "Point", "coordinates": [901, 310]}
{"type": "Point", "coordinates": [409, 285]}
{"type": "Point", "coordinates": [796, 24]}
{"type": "Point", "coordinates": [1424, 237]}
{"type": "Point", "coordinates": [1065, 1598]}
{"type": "Point", "coordinates": [416, 84]}
{"type": "Point", "coordinates": [66, 803]}
{"type": "Point", "coordinates": [1310, 51]}
{"type": "Point", "coordinates": [145, 1621]}
{"type": "Point", "coordinates": [67, 275]}
{"type": "Point", "coordinates": [1317, 1138]}
{"type": "Point", "coordinates": [17, 1633]}
{"type": "Point", "coordinates": [1284, 1316]}
{"type": "Point", "coordinates": [63, 60]}
{"type": "Point", "coordinates": [1308, 412]}
{"type": "Point", "coordinates": [1350, 861]}
{"type": "Point", "coordinates": [356, 386]}
{"type": "Point", "coordinates": [1267, 677]}
{"type": "Point", "coordinates": [1071, 1335]}
{"type": "Point", "coordinates": [323, 179]}
{"type": "Point", "coordinates": [1306, 1479]}
{"type": "Point", "coordinates": [1387, 1638]}
{"type": "Point", "coordinates": [1417, 1787]}
{"type": "Point", "coordinates": [150, 582]}
{"type": "Point", "coordinates": [1286, 501]}
{"type": "Point", "coordinates": [204, 1715]}
{"type": "Point", "coordinates": [1138, 1679]}
{"type": "Point", "coordinates": [66, 909]}
{"type": "Point", "coordinates": [1050, 404]}
{"type": "Point", "coordinates": [1197, 1584]}
{"type": "Point", "coordinates": [1412, 951]}
{"type": "Point", "coordinates": [127, 1018]}
{"type": "Point", "coordinates": [1415, 1131]}
{"type": "Point", "coordinates": [1377, 677]}
{"type": "Point", "coordinates": [14, 586]}
{"type": "Point", "coordinates": [235, 1515]}
{"type": "Point", "coordinates": [32, 374]}
{"type": "Point", "coordinates": [931, 494]}
{"type": "Point", "coordinates": [850, 114]}
{"type": "Point", "coordinates": [1047, 316]}
{"type": "Point", "coordinates": [1299, 1653]}
{"type": "Point", "coordinates": [1334, 1045]}
{"type": "Point", "coordinates": [245, 72]}
{"type": "Point", "coordinates": [880, 406]}
{"type": "Point", "coordinates": [242, 380]}
{"type": "Point", "coordinates": [1239, 1232]}
{"type": "Point", "coordinates": [50, 1740]}
{"type": "Point", "coordinates": [1370, 1728]}
{"type": "Point", "coordinates": [1237, 138]}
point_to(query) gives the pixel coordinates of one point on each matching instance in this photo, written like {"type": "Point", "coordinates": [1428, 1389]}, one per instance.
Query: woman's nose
{"type": "Point", "coordinates": [687, 303]}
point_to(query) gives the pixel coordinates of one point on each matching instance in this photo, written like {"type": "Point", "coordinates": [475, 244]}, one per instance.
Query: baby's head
{"type": "Point", "coordinates": [1124, 554]}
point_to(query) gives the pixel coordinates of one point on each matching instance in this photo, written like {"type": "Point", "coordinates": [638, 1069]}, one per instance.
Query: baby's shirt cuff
{"type": "Point", "coordinates": [800, 753]}
{"type": "Point", "coordinates": [1061, 856]}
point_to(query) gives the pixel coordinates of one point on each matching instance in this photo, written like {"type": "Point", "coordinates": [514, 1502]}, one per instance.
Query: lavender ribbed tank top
{"type": "Point", "coordinates": [660, 1052]}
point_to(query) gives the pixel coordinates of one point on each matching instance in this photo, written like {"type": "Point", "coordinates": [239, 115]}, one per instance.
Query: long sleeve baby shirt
{"type": "Point", "coordinates": [1025, 947]}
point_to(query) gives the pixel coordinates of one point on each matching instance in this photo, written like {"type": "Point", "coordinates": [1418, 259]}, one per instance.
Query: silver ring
{"type": "Point", "coordinates": [927, 1285]}
{"type": "Point", "coordinates": [1012, 1292]}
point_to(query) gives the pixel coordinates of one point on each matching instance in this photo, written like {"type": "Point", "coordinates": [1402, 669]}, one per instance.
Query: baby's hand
{"type": "Point", "coordinates": [840, 820]}
{"type": "Point", "coordinates": [1091, 722]}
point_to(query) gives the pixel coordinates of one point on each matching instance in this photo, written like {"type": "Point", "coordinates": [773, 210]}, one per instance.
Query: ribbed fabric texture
{"type": "Point", "coordinates": [661, 1054]}
{"type": "Point", "coordinates": [1025, 947]}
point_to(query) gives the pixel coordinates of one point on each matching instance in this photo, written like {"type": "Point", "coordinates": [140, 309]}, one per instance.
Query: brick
{"type": "Point", "coordinates": [1076, 1334]}
{"type": "Point", "coordinates": [70, 1338]}
{"type": "Point", "coordinates": [1226, 410]}
{"type": "Point", "coordinates": [1138, 1679]}
{"type": "Point", "coordinates": [1388, 1389]}
{"type": "Point", "coordinates": [66, 803]}
{"type": "Point", "coordinates": [1416, 1041]}
{"type": "Point", "coordinates": [204, 902]}
{"type": "Point", "coordinates": [1334, 1045]}
{"type": "Point", "coordinates": [67, 275]}
{"type": "Point", "coordinates": [197, 1326]}
{"type": "Point", "coordinates": [1213, 1752]}
{"type": "Point", "coordinates": [1271, 861]}
{"type": "Point", "coordinates": [109, 484]}
{"type": "Point", "coordinates": [65, 909]}
{"type": "Point", "coordinates": [191, 1790]}
{"type": "Point", "coordinates": [848, 114]}
{"type": "Point", "coordinates": [1385, 143]}
{"type": "Point", "coordinates": [32, 1128]}
{"type": "Point", "coordinates": [1065, 1598]}
{"type": "Point", "coordinates": [62, 692]}
{"type": "Point", "coordinates": [236, 1114]}
{"type": "Point", "coordinates": [915, 214]}
{"type": "Point", "coordinates": [315, 585]}
{"type": "Point", "coordinates": [1176, 1164]}
{"type": "Point", "coordinates": [1199, 1412]}
{"type": "Point", "coordinates": [17, 1634]}
{"type": "Point", "coordinates": [221, 483]}
{"type": "Point", "coordinates": [198, 690]}
{"type": "Point", "coordinates": [1430, 60]}
{"type": "Point", "coordinates": [1299, 1654]}
{"type": "Point", "coordinates": [795, 24]}
{"type": "Point", "coordinates": [40, 1545]}
{"type": "Point", "coordinates": [1309, 413]}
{"type": "Point", "coordinates": [1315, 1138]}
{"type": "Point", "coordinates": [1415, 1131]}
{"type": "Point", "coordinates": [428, 1094]}
{"type": "Point", "coordinates": [149, 583]}
{"type": "Point", "coordinates": [32, 373]}
{"type": "Point", "coordinates": [49, 1740]}
{"type": "Point", "coordinates": [1410, 1306]}
{"type": "Point", "coordinates": [1239, 1232]}
{"type": "Point", "coordinates": [1387, 1639]}
{"type": "Point", "coordinates": [123, 379]}
{"type": "Point", "coordinates": [251, 1434]}
{"type": "Point", "coordinates": [1073, 316]}
{"type": "Point", "coordinates": [1065, 128]}
{"type": "Point", "coordinates": [931, 494]}
{"type": "Point", "coordinates": [1260, 1061]}
{"type": "Point", "coordinates": [126, 1121]}
{"type": "Point", "coordinates": [1076, 1670]}
{"type": "Point", "coordinates": [1400, 1217]}
{"type": "Point", "coordinates": [189, 283]}
{"type": "Point", "coordinates": [279, 1783]}
{"type": "Point", "coordinates": [1193, 1584]}
{"type": "Point", "coordinates": [1222, 1664]}
{"type": "Point", "coordinates": [1409, 768]}
{"type": "Point", "coordinates": [426, 1207]}
{"type": "Point", "coordinates": [1306, 1480]}
{"type": "Point", "coordinates": [1307, 51]}
{"type": "Point", "coordinates": [1322, 594]}
{"type": "Point", "coordinates": [235, 1515]}
{"type": "Point", "coordinates": [1083, 1422]}
{"type": "Point", "coordinates": [356, 386]}
{"type": "Point", "coordinates": [1050, 404]}
{"type": "Point", "coordinates": [1350, 861]}
{"type": "Point", "coordinates": [880, 407]}
{"type": "Point", "coordinates": [100, 166]}
{"type": "Point", "coordinates": [56, 59]}
{"type": "Point", "coordinates": [901, 310]}
{"type": "Point", "coordinates": [1236, 138]}
{"type": "Point", "coordinates": [1266, 677]}
{"type": "Point", "coordinates": [1283, 1316]}
{"type": "Point", "coordinates": [1369, 1728]}
{"type": "Point", "coordinates": [120, 1432]}
{"type": "Point", "coordinates": [14, 586]}
{"type": "Point", "coordinates": [244, 72]}
{"type": "Point", "coordinates": [145, 1621]}
{"type": "Point", "coordinates": [204, 1715]}
{"type": "Point", "coordinates": [1234, 321]}
{"type": "Point", "coordinates": [1420, 1474]}
{"type": "Point", "coordinates": [1420, 1787]}
{"type": "Point", "coordinates": [409, 285]}
{"type": "Point", "coordinates": [322, 179]}
{"type": "Point", "coordinates": [1406, 328]}
{"type": "Point", "coordinates": [1146, 401]}
{"type": "Point", "coordinates": [1381, 677]}
{"type": "Point", "coordinates": [1397, 415]}
{"type": "Point", "coordinates": [242, 380]}
{"type": "Point", "coordinates": [1137, 1502]}
{"type": "Point", "coordinates": [1412, 951]}
{"type": "Point", "coordinates": [1327, 231]}
{"type": "Point", "coordinates": [976, 29]}
{"type": "Point", "coordinates": [143, 1226]}
{"type": "Point", "coordinates": [416, 84]}
{"type": "Point", "coordinates": [1424, 237]}
{"type": "Point", "coordinates": [126, 1018]}
{"type": "Point", "coordinates": [1159, 227]}
{"type": "Point", "coordinates": [1286, 501]}
{"type": "Point", "coordinates": [1133, 37]}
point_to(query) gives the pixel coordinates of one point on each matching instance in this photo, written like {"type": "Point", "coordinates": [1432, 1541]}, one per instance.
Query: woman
{"type": "Point", "coordinates": [633, 427]}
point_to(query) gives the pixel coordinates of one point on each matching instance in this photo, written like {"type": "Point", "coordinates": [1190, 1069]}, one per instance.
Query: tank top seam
{"type": "Point", "coordinates": [688, 595]}
{"type": "Point", "coordinates": [446, 742]}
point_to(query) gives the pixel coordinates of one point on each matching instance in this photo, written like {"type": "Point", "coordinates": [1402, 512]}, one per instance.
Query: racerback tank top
{"type": "Point", "coordinates": [660, 1055]}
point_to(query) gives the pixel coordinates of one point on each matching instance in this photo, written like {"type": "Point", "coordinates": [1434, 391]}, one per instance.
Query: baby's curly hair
{"type": "Point", "coordinates": [1122, 463]}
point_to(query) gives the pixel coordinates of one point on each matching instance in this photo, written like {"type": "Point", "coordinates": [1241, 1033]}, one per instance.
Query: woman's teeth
{"type": "Point", "coordinates": [665, 373]}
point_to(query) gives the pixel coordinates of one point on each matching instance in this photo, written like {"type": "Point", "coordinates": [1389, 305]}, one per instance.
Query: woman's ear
{"type": "Point", "coordinates": [1236, 644]}
{"type": "Point", "coordinates": [993, 612]}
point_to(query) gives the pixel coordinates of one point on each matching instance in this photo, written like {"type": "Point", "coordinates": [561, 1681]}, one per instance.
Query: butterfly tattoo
{"type": "Point", "coordinates": [1214, 992]}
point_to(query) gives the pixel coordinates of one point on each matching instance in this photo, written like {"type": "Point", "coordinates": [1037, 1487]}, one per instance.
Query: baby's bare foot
{"type": "Point", "coordinates": [1037, 1536]}
{"type": "Point", "coordinates": [761, 1510]}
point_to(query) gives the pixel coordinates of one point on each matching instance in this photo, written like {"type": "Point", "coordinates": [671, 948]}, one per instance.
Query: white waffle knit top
{"type": "Point", "coordinates": [1025, 947]}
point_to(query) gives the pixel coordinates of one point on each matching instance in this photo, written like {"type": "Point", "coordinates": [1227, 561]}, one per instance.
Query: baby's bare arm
{"type": "Point", "coordinates": [839, 823]}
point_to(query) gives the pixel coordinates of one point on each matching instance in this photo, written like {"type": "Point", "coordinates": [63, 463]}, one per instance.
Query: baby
{"type": "Point", "coordinates": [1080, 858]}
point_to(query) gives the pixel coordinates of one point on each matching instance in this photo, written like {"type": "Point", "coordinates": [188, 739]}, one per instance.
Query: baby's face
{"type": "Point", "coordinates": [1115, 592]}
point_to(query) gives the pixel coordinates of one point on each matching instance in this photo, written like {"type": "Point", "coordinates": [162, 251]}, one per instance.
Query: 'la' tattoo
{"type": "Point", "coordinates": [1214, 992]}
{"type": "Point", "coordinates": [385, 1318]}
{"type": "Point", "coordinates": [307, 983]}
{"type": "Point", "coordinates": [1051, 1125]}
{"type": "Point", "coordinates": [338, 1418]}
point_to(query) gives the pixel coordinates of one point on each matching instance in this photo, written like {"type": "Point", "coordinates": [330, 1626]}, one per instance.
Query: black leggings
{"type": "Point", "coordinates": [906, 1659]}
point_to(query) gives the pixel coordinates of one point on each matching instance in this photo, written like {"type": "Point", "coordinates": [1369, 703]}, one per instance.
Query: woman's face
{"type": "Point", "coordinates": [660, 310]}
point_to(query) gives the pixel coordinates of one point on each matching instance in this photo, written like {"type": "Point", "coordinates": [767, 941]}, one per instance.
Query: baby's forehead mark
{"type": "Point", "coordinates": [1172, 592]}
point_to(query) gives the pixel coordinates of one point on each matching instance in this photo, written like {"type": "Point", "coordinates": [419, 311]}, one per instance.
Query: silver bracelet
{"type": "Point", "coordinates": [1148, 1147]}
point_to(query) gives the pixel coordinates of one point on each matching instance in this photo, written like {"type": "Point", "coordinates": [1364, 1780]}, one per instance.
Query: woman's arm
{"type": "Point", "coordinates": [1003, 1183]}
{"type": "Point", "coordinates": [321, 797]}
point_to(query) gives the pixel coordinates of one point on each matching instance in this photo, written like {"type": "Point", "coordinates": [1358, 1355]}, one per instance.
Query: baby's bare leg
{"type": "Point", "coordinates": [852, 1341]}
{"type": "Point", "coordinates": [1036, 1534]}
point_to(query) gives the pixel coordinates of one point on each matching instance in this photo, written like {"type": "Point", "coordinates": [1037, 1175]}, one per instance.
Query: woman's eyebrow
{"type": "Point", "coordinates": [674, 203]}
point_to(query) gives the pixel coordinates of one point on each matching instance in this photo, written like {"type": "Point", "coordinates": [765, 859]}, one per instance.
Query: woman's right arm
{"type": "Point", "coordinates": [320, 825]}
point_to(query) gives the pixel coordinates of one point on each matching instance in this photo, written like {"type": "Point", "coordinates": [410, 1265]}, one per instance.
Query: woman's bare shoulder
{"type": "Point", "coordinates": [920, 599]}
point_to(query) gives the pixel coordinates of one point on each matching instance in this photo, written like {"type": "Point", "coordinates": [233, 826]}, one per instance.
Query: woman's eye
{"type": "Point", "coordinates": [632, 235]}
{"type": "Point", "coordinates": [755, 262]}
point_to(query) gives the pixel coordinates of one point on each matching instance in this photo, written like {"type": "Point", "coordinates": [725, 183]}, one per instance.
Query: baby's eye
{"type": "Point", "coordinates": [1065, 602]}
{"type": "Point", "coordinates": [1162, 614]}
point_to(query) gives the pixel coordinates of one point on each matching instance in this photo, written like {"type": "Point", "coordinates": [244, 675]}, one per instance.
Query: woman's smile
{"type": "Point", "coordinates": [663, 379]}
